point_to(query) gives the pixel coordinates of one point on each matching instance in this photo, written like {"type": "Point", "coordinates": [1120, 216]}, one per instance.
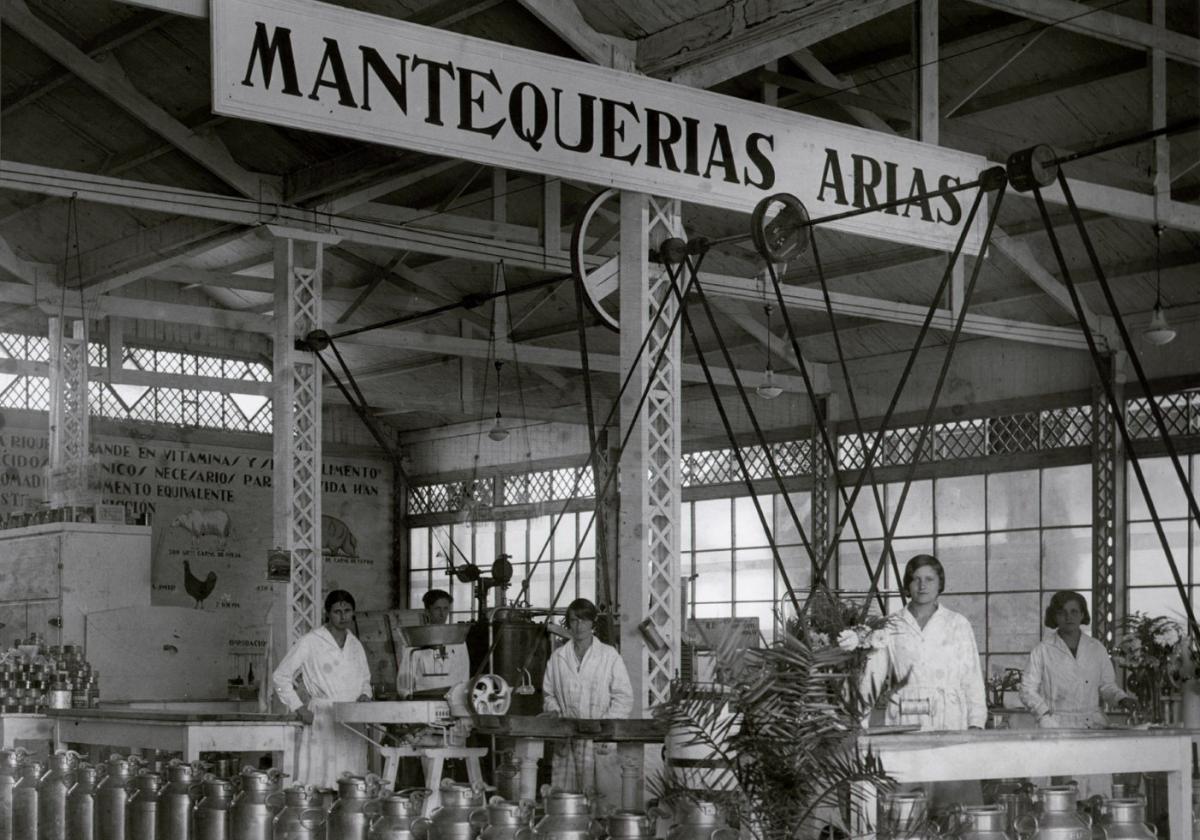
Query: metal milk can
{"type": "Point", "coordinates": [301, 817]}
{"type": "Point", "coordinates": [1125, 819]}
{"type": "Point", "coordinates": [211, 816]}
{"type": "Point", "coordinates": [508, 779]}
{"type": "Point", "coordinates": [501, 819]}
{"type": "Point", "coordinates": [81, 805]}
{"type": "Point", "coordinates": [112, 794]}
{"type": "Point", "coordinates": [176, 802]}
{"type": "Point", "coordinates": [699, 820]}
{"type": "Point", "coordinates": [254, 806]}
{"type": "Point", "coordinates": [10, 761]}
{"type": "Point", "coordinates": [141, 808]}
{"type": "Point", "coordinates": [983, 822]}
{"type": "Point", "coordinates": [52, 795]}
{"type": "Point", "coordinates": [25, 801]}
{"type": "Point", "coordinates": [629, 825]}
{"type": "Point", "coordinates": [904, 814]}
{"type": "Point", "coordinates": [398, 812]}
{"type": "Point", "coordinates": [451, 821]}
{"type": "Point", "coordinates": [348, 818]}
{"type": "Point", "coordinates": [1056, 817]}
{"type": "Point", "coordinates": [568, 817]}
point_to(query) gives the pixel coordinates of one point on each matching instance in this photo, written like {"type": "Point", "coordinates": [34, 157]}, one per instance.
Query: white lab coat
{"type": "Point", "coordinates": [1069, 688]}
{"type": "Point", "coordinates": [331, 674]}
{"type": "Point", "coordinates": [595, 687]}
{"type": "Point", "coordinates": [941, 662]}
{"type": "Point", "coordinates": [432, 670]}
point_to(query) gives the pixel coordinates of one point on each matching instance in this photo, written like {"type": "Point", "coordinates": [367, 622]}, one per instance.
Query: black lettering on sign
{"type": "Point", "coordinates": [266, 52]}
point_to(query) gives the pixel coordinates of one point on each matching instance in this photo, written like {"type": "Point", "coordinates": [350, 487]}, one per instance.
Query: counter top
{"type": "Point", "coordinates": [900, 740]}
{"type": "Point", "coordinates": [647, 730]}
{"type": "Point", "coordinates": [168, 716]}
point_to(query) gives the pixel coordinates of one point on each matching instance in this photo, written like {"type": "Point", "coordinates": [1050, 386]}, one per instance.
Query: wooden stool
{"type": "Point", "coordinates": [433, 762]}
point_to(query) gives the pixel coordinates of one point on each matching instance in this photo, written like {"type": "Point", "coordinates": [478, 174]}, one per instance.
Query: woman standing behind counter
{"type": "Point", "coordinates": [934, 649]}
{"type": "Point", "coordinates": [1070, 673]}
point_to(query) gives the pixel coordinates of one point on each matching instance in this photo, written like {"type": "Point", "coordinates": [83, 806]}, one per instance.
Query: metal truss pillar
{"type": "Point", "coordinates": [1108, 510]}
{"type": "Point", "coordinates": [68, 480]}
{"type": "Point", "coordinates": [648, 526]}
{"type": "Point", "coordinates": [297, 425]}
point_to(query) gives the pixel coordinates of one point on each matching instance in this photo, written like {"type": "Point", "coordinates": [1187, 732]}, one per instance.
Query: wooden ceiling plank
{"type": "Point", "coordinates": [989, 73]}
{"type": "Point", "coordinates": [187, 8]}
{"type": "Point", "coordinates": [1107, 26]}
{"type": "Point", "coordinates": [109, 80]}
{"type": "Point", "coordinates": [864, 116]}
{"type": "Point", "coordinates": [837, 93]}
{"type": "Point", "coordinates": [562, 17]}
{"type": "Point", "coordinates": [728, 41]}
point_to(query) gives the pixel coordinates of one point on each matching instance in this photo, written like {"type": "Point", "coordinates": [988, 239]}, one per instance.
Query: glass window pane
{"type": "Point", "coordinates": [799, 570]}
{"type": "Point", "coordinates": [1067, 558]}
{"type": "Point", "coordinates": [959, 504]}
{"type": "Point", "coordinates": [418, 586]}
{"type": "Point", "coordinates": [785, 528]}
{"type": "Point", "coordinates": [748, 530]}
{"type": "Point", "coordinates": [586, 584]}
{"type": "Point", "coordinates": [1159, 600]}
{"type": "Point", "coordinates": [714, 576]}
{"type": "Point", "coordinates": [719, 610]}
{"type": "Point", "coordinates": [866, 513]}
{"type": "Point", "coordinates": [713, 524]}
{"type": "Point", "coordinates": [1014, 622]}
{"type": "Point", "coordinates": [440, 545]}
{"type": "Point", "coordinates": [564, 537]}
{"type": "Point", "coordinates": [852, 575]}
{"type": "Point", "coordinates": [485, 543]}
{"type": "Point", "coordinates": [974, 608]}
{"type": "Point", "coordinates": [514, 540]}
{"type": "Point", "coordinates": [1013, 560]}
{"type": "Point", "coordinates": [965, 560]}
{"type": "Point", "coordinates": [539, 587]}
{"type": "Point", "coordinates": [1165, 490]}
{"type": "Point", "coordinates": [685, 526]}
{"type": "Point", "coordinates": [459, 592]}
{"type": "Point", "coordinates": [586, 535]}
{"type": "Point", "coordinates": [1012, 500]}
{"type": "Point", "coordinates": [539, 532]}
{"type": "Point", "coordinates": [917, 516]}
{"type": "Point", "coordinates": [1147, 560]}
{"type": "Point", "coordinates": [755, 576]}
{"type": "Point", "coordinates": [1067, 495]}
{"type": "Point", "coordinates": [418, 547]}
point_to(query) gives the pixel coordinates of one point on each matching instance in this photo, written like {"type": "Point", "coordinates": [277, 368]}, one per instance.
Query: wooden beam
{"type": "Point", "coordinates": [1107, 26]}
{"type": "Point", "coordinates": [739, 37]}
{"type": "Point", "coordinates": [997, 66]}
{"type": "Point", "coordinates": [1020, 255]}
{"type": "Point", "coordinates": [925, 80]}
{"type": "Point", "coordinates": [187, 8]}
{"type": "Point", "coordinates": [864, 116]}
{"type": "Point", "coordinates": [562, 17]}
{"type": "Point", "coordinates": [110, 81]}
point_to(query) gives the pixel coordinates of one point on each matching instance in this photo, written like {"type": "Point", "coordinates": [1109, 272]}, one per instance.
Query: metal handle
{"type": "Point", "coordinates": [420, 828]}
{"type": "Point", "coordinates": [478, 817]}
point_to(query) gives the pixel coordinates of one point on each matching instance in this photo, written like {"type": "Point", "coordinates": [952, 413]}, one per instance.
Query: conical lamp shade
{"type": "Point", "coordinates": [1158, 331]}
{"type": "Point", "coordinates": [767, 389]}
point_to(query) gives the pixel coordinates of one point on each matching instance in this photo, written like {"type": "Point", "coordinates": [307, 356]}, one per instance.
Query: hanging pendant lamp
{"type": "Point", "coordinates": [768, 389]}
{"type": "Point", "coordinates": [1158, 331]}
{"type": "Point", "coordinates": [498, 432]}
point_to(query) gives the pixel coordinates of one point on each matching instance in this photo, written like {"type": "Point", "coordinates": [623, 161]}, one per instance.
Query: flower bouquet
{"type": "Point", "coordinates": [829, 620]}
{"type": "Point", "coordinates": [1150, 651]}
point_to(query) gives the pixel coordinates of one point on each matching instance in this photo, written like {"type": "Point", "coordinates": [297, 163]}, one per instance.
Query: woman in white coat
{"type": "Point", "coordinates": [586, 678]}
{"type": "Point", "coordinates": [332, 666]}
{"type": "Point", "coordinates": [1070, 673]}
{"type": "Point", "coordinates": [934, 649]}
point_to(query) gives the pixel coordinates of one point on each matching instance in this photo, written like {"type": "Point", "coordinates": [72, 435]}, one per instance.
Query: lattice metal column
{"type": "Point", "coordinates": [68, 481]}
{"type": "Point", "coordinates": [650, 466]}
{"type": "Point", "coordinates": [297, 424]}
{"type": "Point", "coordinates": [1108, 495]}
{"type": "Point", "coordinates": [822, 488]}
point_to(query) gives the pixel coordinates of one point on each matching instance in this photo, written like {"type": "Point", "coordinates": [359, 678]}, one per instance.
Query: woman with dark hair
{"type": "Point", "coordinates": [332, 667]}
{"type": "Point", "coordinates": [933, 648]}
{"type": "Point", "coordinates": [586, 678]}
{"type": "Point", "coordinates": [1069, 672]}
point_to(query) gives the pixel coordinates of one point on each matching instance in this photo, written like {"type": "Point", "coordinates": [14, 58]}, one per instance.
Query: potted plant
{"type": "Point", "coordinates": [779, 729]}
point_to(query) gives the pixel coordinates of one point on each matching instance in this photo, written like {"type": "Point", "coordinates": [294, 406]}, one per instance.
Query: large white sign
{"type": "Point", "coordinates": [323, 68]}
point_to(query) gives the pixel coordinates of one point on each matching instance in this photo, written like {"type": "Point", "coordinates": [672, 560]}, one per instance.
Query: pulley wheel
{"type": "Point", "coordinates": [490, 695]}
{"type": "Point", "coordinates": [597, 276]}
{"type": "Point", "coordinates": [779, 228]}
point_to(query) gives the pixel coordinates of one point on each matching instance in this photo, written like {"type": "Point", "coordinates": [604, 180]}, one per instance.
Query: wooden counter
{"type": "Point", "coordinates": [187, 732]}
{"type": "Point", "coordinates": [1008, 753]}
